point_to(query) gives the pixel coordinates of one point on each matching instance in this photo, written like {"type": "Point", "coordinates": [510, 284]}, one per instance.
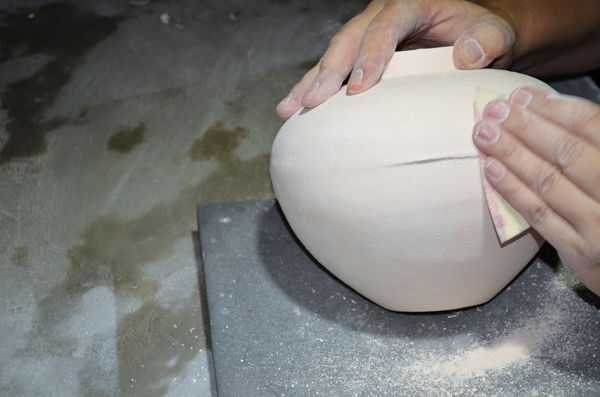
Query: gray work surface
{"type": "Point", "coordinates": [116, 118]}
{"type": "Point", "coordinates": [281, 325]}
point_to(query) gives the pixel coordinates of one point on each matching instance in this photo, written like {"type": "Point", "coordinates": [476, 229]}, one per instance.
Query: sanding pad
{"type": "Point", "coordinates": [281, 325]}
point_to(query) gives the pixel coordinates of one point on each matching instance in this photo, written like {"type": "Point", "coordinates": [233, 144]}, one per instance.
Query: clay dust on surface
{"type": "Point", "coordinates": [477, 362]}
{"type": "Point", "coordinates": [519, 361]}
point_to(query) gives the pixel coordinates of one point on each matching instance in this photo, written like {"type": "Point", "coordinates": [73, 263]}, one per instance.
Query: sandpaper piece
{"type": "Point", "coordinates": [507, 221]}
{"type": "Point", "coordinates": [281, 325]}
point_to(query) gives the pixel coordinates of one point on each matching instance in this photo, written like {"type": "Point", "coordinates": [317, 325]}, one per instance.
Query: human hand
{"type": "Point", "coordinates": [365, 45]}
{"type": "Point", "coordinates": [544, 160]}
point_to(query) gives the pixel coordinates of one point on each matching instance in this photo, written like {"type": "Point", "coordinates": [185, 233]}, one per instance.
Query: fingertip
{"type": "Point", "coordinates": [360, 88]}
{"type": "Point", "coordinates": [288, 106]}
{"type": "Point", "coordinates": [487, 42]}
{"type": "Point", "coordinates": [354, 89]}
{"type": "Point", "coordinates": [521, 97]}
{"type": "Point", "coordinates": [365, 77]}
{"type": "Point", "coordinates": [538, 92]}
{"type": "Point", "coordinates": [494, 169]}
{"type": "Point", "coordinates": [485, 133]}
{"type": "Point", "coordinates": [283, 113]}
{"type": "Point", "coordinates": [324, 92]}
{"type": "Point", "coordinates": [284, 104]}
{"type": "Point", "coordinates": [309, 102]}
{"type": "Point", "coordinates": [498, 110]}
{"type": "Point", "coordinates": [470, 54]}
{"type": "Point", "coordinates": [311, 97]}
{"type": "Point", "coordinates": [355, 82]}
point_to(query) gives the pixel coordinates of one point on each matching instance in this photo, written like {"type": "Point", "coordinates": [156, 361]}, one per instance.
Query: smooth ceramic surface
{"type": "Point", "coordinates": [384, 188]}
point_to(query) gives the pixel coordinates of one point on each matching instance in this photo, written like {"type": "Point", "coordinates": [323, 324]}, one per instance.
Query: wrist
{"type": "Point", "coordinates": [551, 36]}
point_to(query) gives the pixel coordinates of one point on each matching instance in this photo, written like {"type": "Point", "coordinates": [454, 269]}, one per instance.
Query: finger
{"type": "Point", "coordinates": [293, 102]}
{"type": "Point", "coordinates": [570, 155]}
{"type": "Point", "coordinates": [339, 58]}
{"type": "Point", "coordinates": [576, 115]}
{"type": "Point", "coordinates": [387, 28]}
{"type": "Point", "coordinates": [552, 187]}
{"type": "Point", "coordinates": [553, 227]}
{"type": "Point", "coordinates": [489, 42]}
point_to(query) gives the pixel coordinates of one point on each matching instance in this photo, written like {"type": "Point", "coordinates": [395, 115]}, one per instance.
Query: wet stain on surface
{"type": "Point", "coordinates": [217, 142]}
{"type": "Point", "coordinates": [20, 257]}
{"type": "Point", "coordinates": [114, 252]}
{"type": "Point", "coordinates": [172, 338]}
{"type": "Point", "coordinates": [118, 251]}
{"type": "Point", "coordinates": [86, 389]}
{"type": "Point", "coordinates": [41, 347]}
{"type": "Point", "coordinates": [66, 33]}
{"type": "Point", "coordinates": [126, 139]}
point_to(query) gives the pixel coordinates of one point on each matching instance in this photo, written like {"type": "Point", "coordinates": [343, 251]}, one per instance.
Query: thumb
{"type": "Point", "coordinates": [489, 42]}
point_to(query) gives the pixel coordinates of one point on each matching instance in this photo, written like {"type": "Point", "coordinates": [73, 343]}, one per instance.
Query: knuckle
{"type": "Point", "coordinates": [324, 68]}
{"type": "Point", "coordinates": [502, 33]}
{"type": "Point", "coordinates": [539, 213]}
{"type": "Point", "coordinates": [583, 117]}
{"type": "Point", "coordinates": [594, 254]}
{"type": "Point", "coordinates": [591, 251]}
{"type": "Point", "coordinates": [545, 180]}
{"type": "Point", "coordinates": [513, 192]}
{"type": "Point", "coordinates": [354, 21]}
{"type": "Point", "coordinates": [382, 26]}
{"type": "Point", "coordinates": [567, 152]}
{"type": "Point", "coordinates": [329, 70]}
{"type": "Point", "coordinates": [587, 251]}
{"type": "Point", "coordinates": [509, 151]}
{"type": "Point", "coordinates": [299, 88]}
{"type": "Point", "coordinates": [361, 20]}
{"type": "Point", "coordinates": [343, 36]}
{"type": "Point", "coordinates": [593, 119]}
{"type": "Point", "coordinates": [372, 8]}
{"type": "Point", "coordinates": [592, 236]}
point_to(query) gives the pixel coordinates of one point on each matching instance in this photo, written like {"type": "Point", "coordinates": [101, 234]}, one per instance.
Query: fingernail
{"type": "Point", "coordinates": [312, 90]}
{"type": "Point", "coordinates": [487, 132]}
{"type": "Point", "coordinates": [497, 110]}
{"type": "Point", "coordinates": [284, 107]}
{"type": "Point", "coordinates": [355, 79]}
{"type": "Point", "coordinates": [494, 169]}
{"type": "Point", "coordinates": [285, 102]}
{"type": "Point", "coordinates": [521, 98]}
{"type": "Point", "coordinates": [472, 51]}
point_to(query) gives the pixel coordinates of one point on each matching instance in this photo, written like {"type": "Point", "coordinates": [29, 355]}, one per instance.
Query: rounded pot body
{"type": "Point", "coordinates": [384, 188]}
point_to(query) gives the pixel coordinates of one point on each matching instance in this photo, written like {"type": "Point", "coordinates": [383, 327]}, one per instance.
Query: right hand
{"type": "Point", "coordinates": [544, 160]}
{"type": "Point", "coordinates": [365, 45]}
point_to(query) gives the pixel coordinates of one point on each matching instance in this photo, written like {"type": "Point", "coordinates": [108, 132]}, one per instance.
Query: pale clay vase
{"type": "Point", "coordinates": [384, 188]}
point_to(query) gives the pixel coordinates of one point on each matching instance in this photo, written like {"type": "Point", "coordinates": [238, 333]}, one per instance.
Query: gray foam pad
{"type": "Point", "coordinates": [281, 325]}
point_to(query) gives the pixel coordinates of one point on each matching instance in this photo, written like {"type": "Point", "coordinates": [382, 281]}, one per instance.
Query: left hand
{"type": "Point", "coordinates": [366, 44]}
{"type": "Point", "coordinates": [544, 160]}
